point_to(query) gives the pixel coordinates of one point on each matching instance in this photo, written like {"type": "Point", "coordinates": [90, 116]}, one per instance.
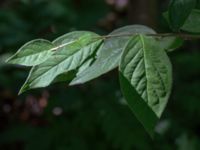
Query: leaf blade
{"type": "Point", "coordinates": [143, 113]}
{"type": "Point", "coordinates": [179, 10]}
{"type": "Point", "coordinates": [192, 23]}
{"type": "Point", "coordinates": [149, 70]}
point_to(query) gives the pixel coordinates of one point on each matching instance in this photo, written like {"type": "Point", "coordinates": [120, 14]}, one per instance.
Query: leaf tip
{"type": "Point", "coordinates": [9, 60]}
{"type": "Point", "coordinates": [21, 91]}
{"type": "Point", "coordinates": [24, 88]}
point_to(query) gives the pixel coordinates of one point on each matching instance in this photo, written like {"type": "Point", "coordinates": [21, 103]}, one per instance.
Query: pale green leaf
{"type": "Point", "coordinates": [109, 53]}
{"type": "Point", "coordinates": [148, 69]}
{"type": "Point", "coordinates": [32, 53]}
{"type": "Point", "coordinates": [80, 46]}
{"type": "Point", "coordinates": [170, 43]}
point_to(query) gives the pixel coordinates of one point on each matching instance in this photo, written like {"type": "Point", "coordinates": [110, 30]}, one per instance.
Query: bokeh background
{"type": "Point", "coordinates": [93, 116]}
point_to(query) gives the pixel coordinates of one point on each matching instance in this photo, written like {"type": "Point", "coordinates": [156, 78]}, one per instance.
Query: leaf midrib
{"type": "Point", "coordinates": [146, 72]}
{"type": "Point", "coordinates": [46, 50]}
{"type": "Point", "coordinates": [143, 46]}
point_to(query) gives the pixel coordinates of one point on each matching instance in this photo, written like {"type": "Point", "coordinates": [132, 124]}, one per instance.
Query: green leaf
{"type": "Point", "coordinates": [192, 24]}
{"type": "Point", "coordinates": [171, 43]}
{"type": "Point", "coordinates": [179, 10]}
{"type": "Point", "coordinates": [109, 54]}
{"type": "Point", "coordinates": [143, 113]}
{"type": "Point", "coordinates": [148, 69]}
{"type": "Point", "coordinates": [81, 46]}
{"type": "Point", "coordinates": [32, 53]}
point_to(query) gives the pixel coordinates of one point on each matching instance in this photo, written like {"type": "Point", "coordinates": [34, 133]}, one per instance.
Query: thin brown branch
{"type": "Point", "coordinates": [180, 35]}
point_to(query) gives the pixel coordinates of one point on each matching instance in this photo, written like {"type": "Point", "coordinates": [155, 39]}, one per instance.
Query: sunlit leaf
{"type": "Point", "coordinates": [148, 69]}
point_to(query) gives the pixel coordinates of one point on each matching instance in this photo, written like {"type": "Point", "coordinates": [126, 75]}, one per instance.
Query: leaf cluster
{"type": "Point", "coordinates": [139, 53]}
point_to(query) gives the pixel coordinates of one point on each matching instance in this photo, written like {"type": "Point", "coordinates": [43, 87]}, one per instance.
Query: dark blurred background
{"type": "Point", "coordinates": [92, 116]}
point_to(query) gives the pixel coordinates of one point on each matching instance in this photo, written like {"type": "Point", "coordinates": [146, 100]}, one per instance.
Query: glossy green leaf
{"type": "Point", "coordinates": [68, 57]}
{"type": "Point", "coordinates": [32, 53]}
{"type": "Point", "coordinates": [148, 69]}
{"type": "Point", "coordinates": [179, 10]}
{"type": "Point", "coordinates": [109, 53]}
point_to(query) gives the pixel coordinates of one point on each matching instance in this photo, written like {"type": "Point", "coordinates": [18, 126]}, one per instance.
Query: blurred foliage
{"type": "Point", "coordinates": [94, 115]}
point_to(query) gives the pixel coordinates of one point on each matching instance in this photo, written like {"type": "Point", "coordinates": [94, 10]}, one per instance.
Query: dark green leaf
{"type": "Point", "coordinates": [179, 10]}
{"type": "Point", "coordinates": [192, 24]}
{"type": "Point", "coordinates": [143, 113]}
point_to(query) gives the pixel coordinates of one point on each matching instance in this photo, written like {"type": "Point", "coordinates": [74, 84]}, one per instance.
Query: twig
{"type": "Point", "coordinates": [180, 35]}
